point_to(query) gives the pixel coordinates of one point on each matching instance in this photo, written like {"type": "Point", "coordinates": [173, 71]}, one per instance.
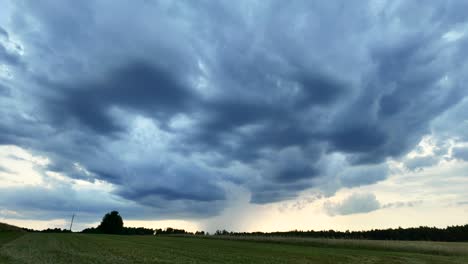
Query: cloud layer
{"type": "Point", "coordinates": [181, 103]}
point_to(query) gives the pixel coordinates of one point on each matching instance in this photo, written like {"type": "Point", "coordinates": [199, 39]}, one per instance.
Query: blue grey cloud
{"type": "Point", "coordinates": [354, 204]}
{"type": "Point", "coordinates": [179, 102]}
{"type": "Point", "coordinates": [4, 91]}
{"type": "Point", "coordinates": [402, 204]}
{"type": "Point", "coordinates": [34, 202]}
{"type": "Point", "coordinates": [418, 163]}
{"type": "Point", "coordinates": [4, 169]}
{"type": "Point", "coordinates": [460, 153]}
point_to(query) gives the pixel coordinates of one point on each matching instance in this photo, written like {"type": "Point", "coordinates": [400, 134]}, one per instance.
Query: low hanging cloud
{"type": "Point", "coordinates": [402, 204]}
{"type": "Point", "coordinates": [361, 203]}
{"type": "Point", "coordinates": [354, 204]}
{"type": "Point", "coordinates": [294, 96]}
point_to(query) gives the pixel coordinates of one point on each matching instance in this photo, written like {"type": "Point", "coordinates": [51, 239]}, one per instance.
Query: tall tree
{"type": "Point", "coordinates": [112, 223]}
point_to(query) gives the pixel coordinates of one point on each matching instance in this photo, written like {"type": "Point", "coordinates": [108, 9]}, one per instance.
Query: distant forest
{"type": "Point", "coordinates": [112, 223]}
{"type": "Point", "coordinates": [423, 233]}
{"type": "Point", "coordinates": [450, 234]}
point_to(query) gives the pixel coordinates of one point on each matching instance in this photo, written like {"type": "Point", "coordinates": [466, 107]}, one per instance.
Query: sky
{"type": "Point", "coordinates": [238, 115]}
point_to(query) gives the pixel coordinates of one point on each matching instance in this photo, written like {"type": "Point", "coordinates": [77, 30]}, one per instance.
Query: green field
{"type": "Point", "coordinates": [82, 248]}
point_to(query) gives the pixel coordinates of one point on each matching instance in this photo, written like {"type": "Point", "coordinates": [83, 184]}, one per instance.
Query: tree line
{"type": "Point", "coordinates": [450, 234]}
{"type": "Point", "coordinates": [112, 223]}
{"type": "Point", "coordinates": [48, 230]}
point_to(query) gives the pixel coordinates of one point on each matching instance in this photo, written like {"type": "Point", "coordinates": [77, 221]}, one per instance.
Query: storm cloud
{"type": "Point", "coordinates": [179, 103]}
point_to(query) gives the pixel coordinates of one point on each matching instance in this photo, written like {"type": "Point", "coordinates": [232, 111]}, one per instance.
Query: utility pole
{"type": "Point", "coordinates": [71, 224]}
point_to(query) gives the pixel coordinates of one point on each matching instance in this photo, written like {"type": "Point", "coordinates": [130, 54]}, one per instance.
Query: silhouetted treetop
{"type": "Point", "coordinates": [112, 223]}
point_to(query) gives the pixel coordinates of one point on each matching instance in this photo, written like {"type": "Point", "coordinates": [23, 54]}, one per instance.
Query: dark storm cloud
{"type": "Point", "coordinates": [295, 173]}
{"type": "Point", "coordinates": [270, 192]}
{"type": "Point", "coordinates": [173, 183]}
{"type": "Point", "coordinates": [363, 175]}
{"type": "Point", "coordinates": [407, 76]}
{"type": "Point", "coordinates": [260, 99]}
{"type": "Point", "coordinates": [357, 139]}
{"type": "Point", "coordinates": [318, 90]}
{"type": "Point", "coordinates": [59, 200]}
{"type": "Point", "coordinates": [136, 86]}
{"type": "Point", "coordinates": [170, 194]}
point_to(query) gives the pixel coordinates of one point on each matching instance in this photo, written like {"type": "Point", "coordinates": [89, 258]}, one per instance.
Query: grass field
{"type": "Point", "coordinates": [80, 248]}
